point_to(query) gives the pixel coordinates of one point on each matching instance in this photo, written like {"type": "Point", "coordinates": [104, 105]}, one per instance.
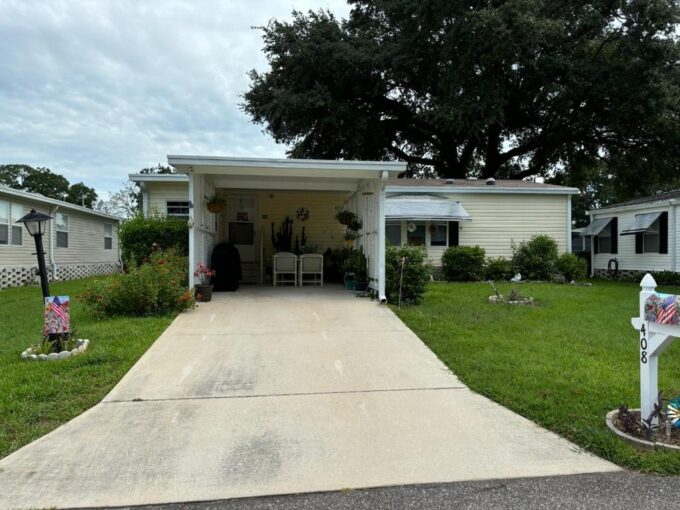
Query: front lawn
{"type": "Point", "coordinates": [563, 364]}
{"type": "Point", "coordinates": [36, 397]}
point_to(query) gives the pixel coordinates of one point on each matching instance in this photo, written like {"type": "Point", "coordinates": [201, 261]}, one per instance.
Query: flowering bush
{"type": "Point", "coordinates": [159, 286]}
{"type": "Point", "coordinates": [203, 273]}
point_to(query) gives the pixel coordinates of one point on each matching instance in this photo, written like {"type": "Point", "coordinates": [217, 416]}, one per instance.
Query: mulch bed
{"type": "Point", "coordinates": [635, 429]}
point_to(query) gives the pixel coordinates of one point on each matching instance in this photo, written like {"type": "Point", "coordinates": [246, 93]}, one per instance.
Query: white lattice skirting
{"type": "Point", "coordinates": [16, 276]}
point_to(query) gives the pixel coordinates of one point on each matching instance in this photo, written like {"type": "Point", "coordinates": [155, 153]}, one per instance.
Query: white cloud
{"type": "Point", "coordinates": [98, 89]}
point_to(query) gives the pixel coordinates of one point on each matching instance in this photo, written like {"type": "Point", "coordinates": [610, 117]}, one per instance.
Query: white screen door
{"type": "Point", "coordinates": [241, 226]}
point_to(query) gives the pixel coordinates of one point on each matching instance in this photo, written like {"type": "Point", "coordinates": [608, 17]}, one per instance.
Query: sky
{"type": "Point", "coordinates": [95, 90]}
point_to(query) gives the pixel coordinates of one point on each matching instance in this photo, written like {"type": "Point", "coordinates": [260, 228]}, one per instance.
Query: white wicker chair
{"type": "Point", "coordinates": [311, 264]}
{"type": "Point", "coordinates": [284, 264]}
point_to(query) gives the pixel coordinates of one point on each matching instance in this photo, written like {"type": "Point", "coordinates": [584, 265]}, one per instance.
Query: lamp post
{"type": "Point", "coordinates": [35, 223]}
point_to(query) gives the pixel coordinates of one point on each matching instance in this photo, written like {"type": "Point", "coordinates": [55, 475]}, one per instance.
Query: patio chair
{"type": "Point", "coordinates": [285, 264]}
{"type": "Point", "coordinates": [311, 264]}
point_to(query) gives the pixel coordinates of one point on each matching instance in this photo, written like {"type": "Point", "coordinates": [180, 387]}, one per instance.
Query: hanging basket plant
{"type": "Point", "coordinates": [346, 217]}
{"type": "Point", "coordinates": [215, 204]}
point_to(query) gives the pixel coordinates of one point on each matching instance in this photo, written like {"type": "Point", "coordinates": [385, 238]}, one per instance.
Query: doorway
{"type": "Point", "coordinates": [241, 220]}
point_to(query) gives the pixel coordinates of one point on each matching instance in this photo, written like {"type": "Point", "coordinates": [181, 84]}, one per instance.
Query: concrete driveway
{"type": "Point", "coordinates": [277, 391]}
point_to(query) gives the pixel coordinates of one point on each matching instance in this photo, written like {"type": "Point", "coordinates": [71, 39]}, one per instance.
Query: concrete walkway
{"type": "Point", "coordinates": [278, 391]}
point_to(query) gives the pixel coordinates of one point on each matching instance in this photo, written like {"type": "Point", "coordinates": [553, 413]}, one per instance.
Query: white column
{"type": "Point", "coordinates": [568, 223]}
{"type": "Point", "coordinates": [381, 236]}
{"type": "Point", "coordinates": [192, 231]}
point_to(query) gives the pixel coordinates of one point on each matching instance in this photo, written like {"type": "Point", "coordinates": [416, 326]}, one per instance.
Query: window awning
{"type": "Point", "coordinates": [597, 226]}
{"type": "Point", "coordinates": [642, 224]}
{"type": "Point", "coordinates": [424, 207]}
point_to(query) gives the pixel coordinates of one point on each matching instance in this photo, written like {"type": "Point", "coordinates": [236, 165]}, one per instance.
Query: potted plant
{"type": "Point", "coordinates": [346, 217]}
{"type": "Point", "coordinates": [205, 288]}
{"type": "Point", "coordinates": [215, 204]}
{"type": "Point", "coordinates": [350, 237]}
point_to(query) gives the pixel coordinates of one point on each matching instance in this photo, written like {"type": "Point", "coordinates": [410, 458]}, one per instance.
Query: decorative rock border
{"type": "Point", "coordinates": [80, 347]}
{"type": "Point", "coordinates": [496, 300]}
{"type": "Point", "coordinates": [638, 443]}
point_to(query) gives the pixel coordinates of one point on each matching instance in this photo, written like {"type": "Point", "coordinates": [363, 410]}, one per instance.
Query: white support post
{"type": "Point", "coordinates": [381, 237]}
{"type": "Point", "coordinates": [192, 231]}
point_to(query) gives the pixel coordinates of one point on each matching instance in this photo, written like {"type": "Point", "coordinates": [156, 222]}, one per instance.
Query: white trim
{"type": "Point", "coordinates": [158, 177]}
{"type": "Point", "coordinates": [453, 190]}
{"type": "Point", "coordinates": [316, 164]}
{"type": "Point", "coordinates": [145, 199]}
{"type": "Point", "coordinates": [51, 201]}
{"type": "Point", "coordinates": [569, 247]}
{"type": "Point", "coordinates": [674, 240]}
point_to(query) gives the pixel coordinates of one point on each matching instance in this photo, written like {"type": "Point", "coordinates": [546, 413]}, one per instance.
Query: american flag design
{"type": "Point", "coordinates": [57, 315]}
{"type": "Point", "coordinates": [663, 309]}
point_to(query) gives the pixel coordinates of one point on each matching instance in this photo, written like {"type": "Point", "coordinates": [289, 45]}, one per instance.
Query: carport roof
{"type": "Point", "coordinates": [271, 167]}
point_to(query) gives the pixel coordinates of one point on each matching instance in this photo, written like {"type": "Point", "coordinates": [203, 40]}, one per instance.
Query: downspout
{"type": "Point", "coordinates": [569, 224]}
{"type": "Point", "coordinates": [192, 229]}
{"type": "Point", "coordinates": [674, 239]}
{"type": "Point", "coordinates": [53, 263]}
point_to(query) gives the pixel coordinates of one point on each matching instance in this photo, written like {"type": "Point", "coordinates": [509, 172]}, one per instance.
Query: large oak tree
{"type": "Point", "coordinates": [486, 88]}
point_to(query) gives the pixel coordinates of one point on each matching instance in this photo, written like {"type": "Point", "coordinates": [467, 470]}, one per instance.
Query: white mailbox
{"type": "Point", "coordinates": [659, 325]}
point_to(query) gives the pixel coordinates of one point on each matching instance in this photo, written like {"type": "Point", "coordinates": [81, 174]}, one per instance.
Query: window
{"type": "Point", "coordinates": [17, 212]}
{"type": "Point", "coordinates": [415, 234]}
{"type": "Point", "coordinates": [62, 230]}
{"type": "Point", "coordinates": [108, 236]}
{"type": "Point", "coordinates": [651, 238]}
{"type": "Point", "coordinates": [393, 233]}
{"type": "Point", "coordinates": [438, 234]}
{"type": "Point", "coordinates": [607, 239]}
{"type": "Point", "coordinates": [4, 222]}
{"type": "Point", "coordinates": [177, 209]}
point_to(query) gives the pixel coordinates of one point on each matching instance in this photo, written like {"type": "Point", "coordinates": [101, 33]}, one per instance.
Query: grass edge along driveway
{"type": "Point", "coordinates": [563, 363]}
{"type": "Point", "coordinates": [37, 397]}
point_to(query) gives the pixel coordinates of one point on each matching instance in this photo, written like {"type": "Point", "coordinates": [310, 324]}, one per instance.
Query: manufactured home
{"type": "Point", "coordinates": [79, 242]}
{"type": "Point", "coordinates": [259, 194]}
{"type": "Point", "coordinates": [636, 236]}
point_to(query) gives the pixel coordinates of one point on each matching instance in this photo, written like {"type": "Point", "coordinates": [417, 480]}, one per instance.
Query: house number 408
{"type": "Point", "coordinates": [643, 344]}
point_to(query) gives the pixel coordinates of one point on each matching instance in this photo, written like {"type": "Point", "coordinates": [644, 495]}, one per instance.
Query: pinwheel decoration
{"type": "Point", "coordinates": [673, 412]}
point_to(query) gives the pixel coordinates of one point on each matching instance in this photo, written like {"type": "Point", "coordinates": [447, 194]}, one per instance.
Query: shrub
{"type": "Point", "coordinates": [498, 269]}
{"type": "Point", "coordinates": [415, 277]}
{"type": "Point", "coordinates": [536, 259]}
{"type": "Point", "coordinates": [156, 287]}
{"type": "Point", "coordinates": [664, 278]}
{"type": "Point", "coordinates": [463, 263]}
{"type": "Point", "coordinates": [334, 264]}
{"type": "Point", "coordinates": [140, 236]}
{"type": "Point", "coordinates": [572, 267]}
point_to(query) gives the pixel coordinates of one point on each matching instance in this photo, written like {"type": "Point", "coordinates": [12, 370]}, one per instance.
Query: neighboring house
{"type": "Point", "coordinates": [432, 213]}
{"type": "Point", "coordinates": [493, 214]}
{"type": "Point", "coordinates": [636, 236]}
{"type": "Point", "coordinates": [78, 242]}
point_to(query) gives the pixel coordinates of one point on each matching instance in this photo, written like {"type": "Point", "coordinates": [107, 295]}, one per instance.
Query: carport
{"type": "Point", "coordinates": [362, 181]}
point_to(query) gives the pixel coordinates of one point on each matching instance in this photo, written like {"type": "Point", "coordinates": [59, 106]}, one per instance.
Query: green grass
{"type": "Point", "coordinates": [36, 397]}
{"type": "Point", "coordinates": [563, 363]}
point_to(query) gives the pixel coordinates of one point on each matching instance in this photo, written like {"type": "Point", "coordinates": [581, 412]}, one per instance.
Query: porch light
{"type": "Point", "coordinates": [35, 223]}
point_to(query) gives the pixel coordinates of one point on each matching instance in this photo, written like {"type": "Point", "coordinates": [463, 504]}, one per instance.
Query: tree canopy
{"type": "Point", "coordinates": [574, 90]}
{"type": "Point", "coordinates": [42, 180]}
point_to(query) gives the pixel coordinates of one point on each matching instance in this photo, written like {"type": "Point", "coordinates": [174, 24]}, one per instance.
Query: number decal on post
{"type": "Point", "coordinates": [643, 344]}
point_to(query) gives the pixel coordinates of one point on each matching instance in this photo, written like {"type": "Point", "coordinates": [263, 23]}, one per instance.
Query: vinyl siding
{"type": "Point", "coordinates": [160, 192]}
{"type": "Point", "coordinates": [627, 258]}
{"type": "Point", "coordinates": [499, 220]}
{"type": "Point", "coordinates": [322, 228]}
{"type": "Point", "coordinates": [86, 239]}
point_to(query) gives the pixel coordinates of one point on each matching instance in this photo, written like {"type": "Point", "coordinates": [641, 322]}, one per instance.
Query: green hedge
{"type": "Point", "coordinates": [463, 263]}
{"type": "Point", "coordinates": [140, 236]}
{"type": "Point", "coordinates": [536, 259]}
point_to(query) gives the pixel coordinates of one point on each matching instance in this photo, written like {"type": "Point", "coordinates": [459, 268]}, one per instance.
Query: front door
{"type": "Point", "coordinates": [241, 226]}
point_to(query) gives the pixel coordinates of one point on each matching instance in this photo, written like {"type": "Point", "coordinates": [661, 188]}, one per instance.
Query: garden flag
{"type": "Point", "coordinates": [57, 315]}
{"type": "Point", "coordinates": [663, 309]}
